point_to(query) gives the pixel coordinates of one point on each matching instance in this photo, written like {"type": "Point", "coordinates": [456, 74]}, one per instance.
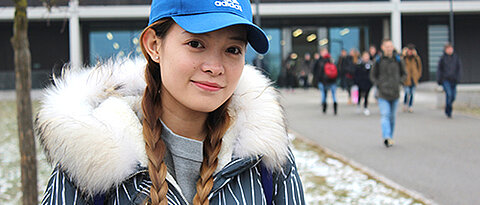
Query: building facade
{"type": "Point", "coordinates": [85, 32]}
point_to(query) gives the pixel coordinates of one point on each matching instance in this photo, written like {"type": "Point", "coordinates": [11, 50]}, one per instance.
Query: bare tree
{"type": "Point", "coordinates": [23, 86]}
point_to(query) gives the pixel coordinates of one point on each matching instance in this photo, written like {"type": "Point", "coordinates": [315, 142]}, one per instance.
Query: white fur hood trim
{"type": "Point", "coordinates": [89, 123]}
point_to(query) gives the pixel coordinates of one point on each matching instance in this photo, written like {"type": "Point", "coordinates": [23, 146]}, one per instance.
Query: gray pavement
{"type": "Point", "coordinates": [434, 156]}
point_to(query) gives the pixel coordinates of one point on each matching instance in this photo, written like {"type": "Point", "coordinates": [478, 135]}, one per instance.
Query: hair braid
{"type": "Point", "coordinates": [217, 124]}
{"type": "Point", "coordinates": [152, 127]}
{"type": "Point", "coordinates": [154, 145]}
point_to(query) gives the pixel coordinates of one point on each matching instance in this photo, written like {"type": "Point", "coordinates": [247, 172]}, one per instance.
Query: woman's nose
{"type": "Point", "coordinates": [213, 66]}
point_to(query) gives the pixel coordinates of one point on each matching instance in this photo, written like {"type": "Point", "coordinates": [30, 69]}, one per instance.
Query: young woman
{"type": "Point", "coordinates": [362, 80]}
{"type": "Point", "coordinates": [413, 66]}
{"type": "Point", "coordinates": [192, 126]}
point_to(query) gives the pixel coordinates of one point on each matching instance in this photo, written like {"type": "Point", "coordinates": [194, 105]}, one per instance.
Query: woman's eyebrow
{"type": "Point", "coordinates": [239, 38]}
{"type": "Point", "coordinates": [233, 37]}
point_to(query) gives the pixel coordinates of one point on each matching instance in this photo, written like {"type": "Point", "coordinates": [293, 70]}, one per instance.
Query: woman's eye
{"type": "Point", "coordinates": [234, 50]}
{"type": "Point", "coordinates": [195, 44]}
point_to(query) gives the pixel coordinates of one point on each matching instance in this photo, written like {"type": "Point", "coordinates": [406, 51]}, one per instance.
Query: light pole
{"type": "Point", "coordinates": [451, 37]}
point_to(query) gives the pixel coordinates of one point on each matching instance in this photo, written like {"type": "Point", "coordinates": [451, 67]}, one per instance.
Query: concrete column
{"type": "Point", "coordinates": [322, 33]}
{"type": "Point", "coordinates": [75, 35]}
{"type": "Point", "coordinates": [286, 42]}
{"type": "Point", "coordinates": [396, 27]}
{"type": "Point", "coordinates": [386, 28]}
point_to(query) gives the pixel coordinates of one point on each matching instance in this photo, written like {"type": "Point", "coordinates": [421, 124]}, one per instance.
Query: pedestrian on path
{"type": "Point", "coordinates": [327, 75]}
{"type": "Point", "coordinates": [305, 71]}
{"type": "Point", "coordinates": [362, 80]}
{"type": "Point", "coordinates": [372, 50]}
{"type": "Point", "coordinates": [290, 67]}
{"type": "Point", "coordinates": [388, 74]}
{"type": "Point", "coordinates": [448, 75]}
{"type": "Point", "coordinates": [349, 71]}
{"type": "Point", "coordinates": [189, 124]}
{"type": "Point", "coordinates": [413, 67]}
{"type": "Point", "coordinates": [342, 64]}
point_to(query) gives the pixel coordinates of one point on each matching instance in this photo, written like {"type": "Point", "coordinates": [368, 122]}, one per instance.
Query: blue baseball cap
{"type": "Point", "coordinates": [202, 16]}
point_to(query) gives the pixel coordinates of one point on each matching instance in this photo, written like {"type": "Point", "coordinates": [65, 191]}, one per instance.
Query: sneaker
{"type": "Point", "coordinates": [388, 143]}
{"type": "Point", "coordinates": [410, 110]}
{"type": "Point", "coordinates": [366, 112]}
{"type": "Point", "coordinates": [404, 109]}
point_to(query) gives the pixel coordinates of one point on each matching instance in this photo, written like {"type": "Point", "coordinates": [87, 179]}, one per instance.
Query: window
{"type": "Point", "coordinates": [105, 44]}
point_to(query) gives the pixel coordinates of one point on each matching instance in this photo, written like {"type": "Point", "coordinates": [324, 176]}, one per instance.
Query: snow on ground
{"type": "Point", "coordinates": [10, 181]}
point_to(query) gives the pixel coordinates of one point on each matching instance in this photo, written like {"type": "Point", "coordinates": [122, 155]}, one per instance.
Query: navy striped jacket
{"type": "Point", "coordinates": [237, 183]}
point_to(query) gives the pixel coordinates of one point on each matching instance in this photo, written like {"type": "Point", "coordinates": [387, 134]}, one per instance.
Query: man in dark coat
{"type": "Point", "coordinates": [387, 74]}
{"type": "Point", "coordinates": [448, 75]}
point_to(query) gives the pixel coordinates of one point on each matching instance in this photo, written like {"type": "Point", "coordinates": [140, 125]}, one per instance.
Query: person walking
{"type": "Point", "coordinates": [328, 75]}
{"type": "Point", "coordinates": [189, 123]}
{"type": "Point", "coordinates": [413, 67]}
{"type": "Point", "coordinates": [341, 63]}
{"type": "Point", "coordinates": [362, 80]}
{"type": "Point", "coordinates": [291, 71]}
{"type": "Point", "coordinates": [388, 74]}
{"type": "Point", "coordinates": [318, 69]}
{"type": "Point", "coordinates": [372, 50]}
{"type": "Point", "coordinates": [448, 75]}
{"type": "Point", "coordinates": [305, 71]}
{"type": "Point", "coordinates": [349, 71]}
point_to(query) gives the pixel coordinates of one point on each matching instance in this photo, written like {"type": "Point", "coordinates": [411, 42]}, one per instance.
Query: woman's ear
{"type": "Point", "coordinates": [151, 44]}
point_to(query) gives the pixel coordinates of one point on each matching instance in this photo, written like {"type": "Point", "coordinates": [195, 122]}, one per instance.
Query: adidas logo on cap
{"type": "Point", "coordinates": [229, 3]}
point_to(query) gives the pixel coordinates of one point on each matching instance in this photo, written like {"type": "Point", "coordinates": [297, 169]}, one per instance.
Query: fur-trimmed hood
{"type": "Point", "coordinates": [89, 123]}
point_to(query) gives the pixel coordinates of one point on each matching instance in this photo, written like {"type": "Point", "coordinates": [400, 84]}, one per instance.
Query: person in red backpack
{"type": "Point", "coordinates": [328, 75]}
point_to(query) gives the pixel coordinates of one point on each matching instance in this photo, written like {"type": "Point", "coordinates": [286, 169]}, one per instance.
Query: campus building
{"type": "Point", "coordinates": [83, 32]}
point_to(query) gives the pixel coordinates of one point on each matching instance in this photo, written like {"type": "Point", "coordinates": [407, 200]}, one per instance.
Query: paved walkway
{"type": "Point", "coordinates": [432, 155]}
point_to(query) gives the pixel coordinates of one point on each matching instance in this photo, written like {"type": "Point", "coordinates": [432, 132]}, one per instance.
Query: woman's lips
{"type": "Point", "coordinates": [208, 86]}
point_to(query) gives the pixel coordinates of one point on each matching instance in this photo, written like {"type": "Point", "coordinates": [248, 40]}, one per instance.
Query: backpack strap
{"type": "Point", "coordinates": [397, 57]}
{"type": "Point", "coordinates": [377, 59]}
{"type": "Point", "coordinates": [267, 183]}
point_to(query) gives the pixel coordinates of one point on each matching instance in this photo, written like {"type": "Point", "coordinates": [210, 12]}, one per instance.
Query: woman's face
{"type": "Point", "coordinates": [365, 57]}
{"type": "Point", "coordinates": [409, 52]}
{"type": "Point", "coordinates": [201, 71]}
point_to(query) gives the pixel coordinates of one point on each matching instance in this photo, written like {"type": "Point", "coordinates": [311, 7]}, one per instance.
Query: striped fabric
{"type": "Point", "coordinates": [239, 182]}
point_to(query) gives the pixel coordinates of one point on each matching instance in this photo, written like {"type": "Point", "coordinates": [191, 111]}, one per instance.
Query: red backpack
{"type": "Point", "coordinates": [330, 70]}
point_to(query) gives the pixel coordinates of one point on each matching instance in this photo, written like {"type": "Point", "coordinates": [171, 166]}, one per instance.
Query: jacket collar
{"type": "Point", "coordinates": [89, 123]}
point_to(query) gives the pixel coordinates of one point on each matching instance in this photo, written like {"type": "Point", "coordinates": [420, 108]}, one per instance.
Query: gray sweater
{"type": "Point", "coordinates": [183, 158]}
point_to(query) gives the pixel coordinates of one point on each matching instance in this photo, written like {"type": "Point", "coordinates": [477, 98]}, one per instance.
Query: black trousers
{"type": "Point", "coordinates": [363, 93]}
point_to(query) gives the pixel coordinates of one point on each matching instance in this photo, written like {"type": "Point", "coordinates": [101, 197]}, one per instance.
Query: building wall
{"type": "Point", "coordinates": [48, 47]}
{"type": "Point", "coordinates": [466, 32]}
{"type": "Point", "coordinates": [467, 46]}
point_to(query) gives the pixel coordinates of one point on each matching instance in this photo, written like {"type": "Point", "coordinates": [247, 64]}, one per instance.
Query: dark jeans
{"type": "Point", "coordinates": [303, 81]}
{"type": "Point", "coordinates": [409, 92]}
{"type": "Point", "coordinates": [450, 89]}
{"type": "Point", "coordinates": [363, 93]}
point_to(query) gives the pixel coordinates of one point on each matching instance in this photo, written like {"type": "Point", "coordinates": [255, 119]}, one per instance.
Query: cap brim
{"type": "Point", "coordinates": [207, 22]}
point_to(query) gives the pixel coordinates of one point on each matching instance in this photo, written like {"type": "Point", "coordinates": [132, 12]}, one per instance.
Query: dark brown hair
{"type": "Point", "coordinates": [216, 125]}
